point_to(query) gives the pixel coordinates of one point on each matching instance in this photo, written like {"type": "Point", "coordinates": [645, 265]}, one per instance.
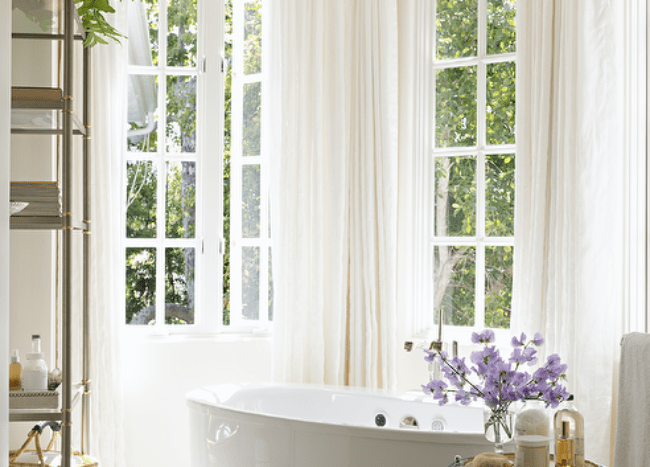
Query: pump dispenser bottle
{"type": "Point", "coordinates": [15, 372]}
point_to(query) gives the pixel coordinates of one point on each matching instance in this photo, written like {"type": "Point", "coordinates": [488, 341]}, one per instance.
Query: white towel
{"type": "Point", "coordinates": [633, 411]}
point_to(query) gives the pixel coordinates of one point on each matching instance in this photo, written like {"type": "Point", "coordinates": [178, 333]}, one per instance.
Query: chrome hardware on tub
{"type": "Point", "coordinates": [380, 419]}
{"type": "Point", "coordinates": [438, 425]}
{"type": "Point", "coordinates": [409, 422]}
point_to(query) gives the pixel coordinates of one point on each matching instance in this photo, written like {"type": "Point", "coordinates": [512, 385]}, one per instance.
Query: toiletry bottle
{"type": "Point", "coordinates": [532, 435]}
{"type": "Point", "coordinates": [564, 447]}
{"type": "Point", "coordinates": [569, 413]}
{"type": "Point", "coordinates": [36, 343]}
{"type": "Point", "coordinates": [15, 372]}
{"type": "Point", "coordinates": [35, 370]}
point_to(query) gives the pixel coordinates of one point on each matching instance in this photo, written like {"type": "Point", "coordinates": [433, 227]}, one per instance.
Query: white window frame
{"type": "Point", "coordinates": [482, 149]}
{"type": "Point", "coordinates": [237, 164]}
{"type": "Point", "coordinates": [208, 241]}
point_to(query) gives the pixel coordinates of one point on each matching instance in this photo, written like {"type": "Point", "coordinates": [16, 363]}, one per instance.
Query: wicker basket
{"type": "Point", "coordinates": [48, 457]}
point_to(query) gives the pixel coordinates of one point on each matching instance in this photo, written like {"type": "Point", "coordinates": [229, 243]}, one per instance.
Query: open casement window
{"type": "Point", "coordinates": [473, 170]}
{"type": "Point", "coordinates": [195, 205]}
{"type": "Point", "coordinates": [248, 296]}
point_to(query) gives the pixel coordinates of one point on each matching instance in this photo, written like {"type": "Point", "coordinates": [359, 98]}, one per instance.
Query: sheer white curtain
{"type": "Point", "coordinates": [569, 220]}
{"type": "Point", "coordinates": [416, 40]}
{"type": "Point", "coordinates": [333, 91]}
{"type": "Point", "coordinates": [108, 110]}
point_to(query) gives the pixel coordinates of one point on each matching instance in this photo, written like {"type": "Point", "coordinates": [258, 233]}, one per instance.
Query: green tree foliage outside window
{"type": "Point", "coordinates": [180, 180]}
{"type": "Point", "coordinates": [456, 186]}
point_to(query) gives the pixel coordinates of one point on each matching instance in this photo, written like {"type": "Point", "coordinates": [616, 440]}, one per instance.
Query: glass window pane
{"type": "Point", "coordinates": [500, 103]}
{"type": "Point", "coordinates": [454, 273]}
{"type": "Point", "coordinates": [147, 29]}
{"type": "Point", "coordinates": [250, 201]}
{"type": "Point", "coordinates": [180, 199]}
{"type": "Point", "coordinates": [250, 282]}
{"type": "Point", "coordinates": [498, 286]}
{"type": "Point", "coordinates": [143, 32]}
{"type": "Point", "coordinates": [226, 239]}
{"type": "Point", "coordinates": [456, 28]}
{"type": "Point", "coordinates": [181, 114]}
{"type": "Point", "coordinates": [455, 200]}
{"type": "Point", "coordinates": [141, 215]}
{"type": "Point", "coordinates": [181, 33]}
{"type": "Point", "coordinates": [140, 285]}
{"type": "Point", "coordinates": [252, 37]}
{"type": "Point", "coordinates": [500, 195]}
{"type": "Point", "coordinates": [456, 107]}
{"type": "Point", "coordinates": [179, 285]}
{"type": "Point", "coordinates": [501, 31]}
{"type": "Point", "coordinates": [142, 113]}
{"type": "Point", "coordinates": [252, 119]}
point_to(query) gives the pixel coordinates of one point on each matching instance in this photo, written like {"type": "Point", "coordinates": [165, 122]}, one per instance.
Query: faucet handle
{"type": "Point", "coordinates": [436, 345]}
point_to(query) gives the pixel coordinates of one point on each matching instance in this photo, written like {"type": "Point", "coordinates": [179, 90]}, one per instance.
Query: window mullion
{"type": "Point", "coordinates": [160, 246]}
{"type": "Point", "coordinates": [160, 165]}
{"type": "Point", "coordinates": [480, 167]}
{"type": "Point", "coordinates": [264, 189]}
{"type": "Point", "coordinates": [236, 149]}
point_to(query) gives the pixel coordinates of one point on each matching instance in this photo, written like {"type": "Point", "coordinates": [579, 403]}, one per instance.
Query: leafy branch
{"type": "Point", "coordinates": [95, 24]}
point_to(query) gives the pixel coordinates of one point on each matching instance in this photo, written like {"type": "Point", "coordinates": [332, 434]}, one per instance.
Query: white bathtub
{"type": "Point", "coordinates": [284, 425]}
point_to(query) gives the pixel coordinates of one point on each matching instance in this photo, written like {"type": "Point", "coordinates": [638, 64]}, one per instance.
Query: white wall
{"type": "Point", "coordinates": [5, 85]}
{"type": "Point", "coordinates": [157, 374]}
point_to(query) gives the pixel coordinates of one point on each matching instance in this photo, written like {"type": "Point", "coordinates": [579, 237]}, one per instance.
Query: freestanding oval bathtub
{"type": "Point", "coordinates": [287, 425]}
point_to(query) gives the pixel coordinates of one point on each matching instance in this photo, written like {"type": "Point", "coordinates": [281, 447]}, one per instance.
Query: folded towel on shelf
{"type": "Point", "coordinates": [633, 411]}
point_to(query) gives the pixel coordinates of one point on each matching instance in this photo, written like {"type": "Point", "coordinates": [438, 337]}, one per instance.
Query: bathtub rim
{"type": "Point", "coordinates": [202, 405]}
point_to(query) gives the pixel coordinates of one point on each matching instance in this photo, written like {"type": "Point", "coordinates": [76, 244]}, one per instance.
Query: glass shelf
{"type": "Point", "coordinates": [41, 19]}
{"type": "Point", "coordinates": [42, 223]}
{"type": "Point", "coordinates": [38, 111]}
{"type": "Point", "coordinates": [39, 415]}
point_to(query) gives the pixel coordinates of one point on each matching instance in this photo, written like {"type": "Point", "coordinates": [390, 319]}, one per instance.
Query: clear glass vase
{"type": "Point", "coordinates": [498, 422]}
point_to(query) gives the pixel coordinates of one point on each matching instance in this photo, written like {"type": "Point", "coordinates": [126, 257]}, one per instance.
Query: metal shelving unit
{"type": "Point", "coordinates": [56, 106]}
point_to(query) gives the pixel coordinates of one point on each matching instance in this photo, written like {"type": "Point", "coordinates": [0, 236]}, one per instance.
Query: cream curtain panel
{"type": "Point", "coordinates": [570, 184]}
{"type": "Point", "coordinates": [333, 90]}
{"type": "Point", "coordinates": [108, 93]}
{"type": "Point", "coordinates": [416, 123]}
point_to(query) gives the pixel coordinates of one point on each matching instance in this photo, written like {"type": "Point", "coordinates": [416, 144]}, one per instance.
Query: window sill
{"type": "Point", "coordinates": [152, 333]}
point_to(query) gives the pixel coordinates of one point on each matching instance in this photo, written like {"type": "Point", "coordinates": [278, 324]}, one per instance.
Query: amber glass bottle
{"type": "Point", "coordinates": [15, 372]}
{"type": "Point", "coordinates": [564, 447]}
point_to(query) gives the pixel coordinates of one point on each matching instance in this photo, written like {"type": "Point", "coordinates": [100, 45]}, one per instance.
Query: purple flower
{"type": "Point", "coordinates": [484, 358]}
{"type": "Point", "coordinates": [518, 342]}
{"type": "Point", "coordinates": [435, 386]}
{"type": "Point", "coordinates": [463, 397]}
{"type": "Point", "coordinates": [556, 369]}
{"type": "Point", "coordinates": [430, 356]}
{"type": "Point", "coordinates": [529, 354]}
{"type": "Point", "coordinates": [517, 356]}
{"type": "Point", "coordinates": [485, 337]}
{"type": "Point", "coordinates": [497, 381]}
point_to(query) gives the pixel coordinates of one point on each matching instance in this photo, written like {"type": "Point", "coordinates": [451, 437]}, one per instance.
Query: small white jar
{"type": "Point", "coordinates": [532, 451]}
{"type": "Point", "coordinates": [532, 435]}
{"type": "Point", "coordinates": [35, 372]}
